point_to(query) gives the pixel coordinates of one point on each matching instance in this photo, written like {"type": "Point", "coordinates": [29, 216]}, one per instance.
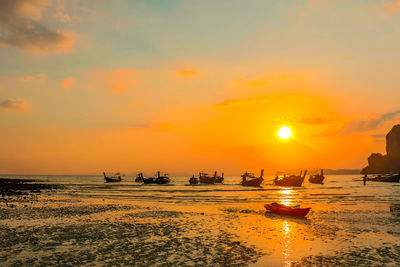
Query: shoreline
{"type": "Point", "coordinates": [53, 228]}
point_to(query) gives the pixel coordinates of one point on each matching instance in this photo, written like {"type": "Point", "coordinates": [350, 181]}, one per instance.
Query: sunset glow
{"type": "Point", "coordinates": [199, 133]}
{"type": "Point", "coordinates": [146, 84]}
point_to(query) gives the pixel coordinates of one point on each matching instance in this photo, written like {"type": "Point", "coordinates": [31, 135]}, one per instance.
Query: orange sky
{"type": "Point", "coordinates": [189, 86]}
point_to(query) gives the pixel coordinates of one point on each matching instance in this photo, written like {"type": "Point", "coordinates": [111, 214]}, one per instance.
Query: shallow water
{"type": "Point", "coordinates": [94, 223]}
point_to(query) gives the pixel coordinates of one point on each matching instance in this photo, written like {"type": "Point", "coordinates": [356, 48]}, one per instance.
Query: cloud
{"type": "Point", "coordinates": [37, 77]}
{"type": "Point", "coordinates": [61, 15]}
{"type": "Point", "coordinates": [121, 80]}
{"type": "Point", "coordinates": [116, 81]}
{"type": "Point", "coordinates": [67, 82]}
{"type": "Point", "coordinates": [392, 6]}
{"type": "Point", "coordinates": [313, 121]}
{"type": "Point", "coordinates": [226, 102]}
{"type": "Point", "coordinates": [21, 27]}
{"type": "Point", "coordinates": [378, 136]}
{"type": "Point", "coordinates": [159, 126]}
{"type": "Point", "coordinates": [186, 72]}
{"type": "Point", "coordinates": [17, 105]}
{"type": "Point", "coordinates": [371, 124]}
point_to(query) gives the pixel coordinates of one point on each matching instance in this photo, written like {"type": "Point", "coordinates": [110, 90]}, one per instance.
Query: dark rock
{"type": "Point", "coordinates": [393, 142]}
{"type": "Point", "coordinates": [390, 163]}
{"type": "Point", "coordinates": [10, 187]}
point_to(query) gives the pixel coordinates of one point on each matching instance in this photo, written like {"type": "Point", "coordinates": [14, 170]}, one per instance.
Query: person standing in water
{"type": "Point", "coordinates": [365, 179]}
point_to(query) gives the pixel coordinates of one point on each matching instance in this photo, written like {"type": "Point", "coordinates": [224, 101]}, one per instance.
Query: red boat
{"type": "Point", "coordinates": [286, 210]}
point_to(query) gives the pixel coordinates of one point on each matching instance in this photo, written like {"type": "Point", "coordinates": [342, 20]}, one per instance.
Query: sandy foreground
{"type": "Point", "coordinates": [48, 228]}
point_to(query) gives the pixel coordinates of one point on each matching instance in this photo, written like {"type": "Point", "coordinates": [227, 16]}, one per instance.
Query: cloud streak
{"type": "Point", "coordinates": [67, 83]}
{"type": "Point", "coordinates": [21, 27]}
{"type": "Point", "coordinates": [313, 121]}
{"type": "Point", "coordinates": [17, 105]}
{"type": "Point", "coordinates": [371, 124]}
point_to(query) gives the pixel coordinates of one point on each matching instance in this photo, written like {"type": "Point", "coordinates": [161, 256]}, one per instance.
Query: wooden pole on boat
{"type": "Point", "coordinates": [262, 173]}
{"type": "Point", "coordinates": [305, 172]}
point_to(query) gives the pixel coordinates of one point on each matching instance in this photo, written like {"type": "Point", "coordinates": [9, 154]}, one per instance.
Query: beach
{"type": "Point", "coordinates": [80, 220]}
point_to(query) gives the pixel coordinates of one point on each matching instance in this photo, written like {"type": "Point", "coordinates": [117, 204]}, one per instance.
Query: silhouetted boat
{"type": "Point", "coordinates": [248, 179]}
{"type": "Point", "coordinates": [317, 178]}
{"type": "Point", "coordinates": [193, 180]}
{"type": "Point", "coordinates": [287, 210]}
{"type": "Point", "coordinates": [205, 179]}
{"type": "Point", "coordinates": [218, 179]}
{"type": "Point", "coordinates": [388, 178]}
{"type": "Point", "coordinates": [139, 178]}
{"type": "Point", "coordinates": [112, 179]}
{"type": "Point", "coordinates": [292, 180]}
{"type": "Point", "coordinates": [157, 180]}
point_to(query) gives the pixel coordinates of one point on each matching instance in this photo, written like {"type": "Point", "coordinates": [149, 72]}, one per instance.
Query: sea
{"type": "Point", "coordinates": [90, 222]}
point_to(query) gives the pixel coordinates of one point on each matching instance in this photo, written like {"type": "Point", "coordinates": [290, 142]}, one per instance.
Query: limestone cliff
{"type": "Point", "coordinates": [393, 142]}
{"type": "Point", "coordinates": [390, 163]}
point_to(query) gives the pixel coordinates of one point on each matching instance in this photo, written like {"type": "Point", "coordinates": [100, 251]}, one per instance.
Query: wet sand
{"type": "Point", "coordinates": [52, 228]}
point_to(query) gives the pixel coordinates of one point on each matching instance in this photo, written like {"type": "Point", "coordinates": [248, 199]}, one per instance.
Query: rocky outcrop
{"type": "Point", "coordinates": [390, 163]}
{"type": "Point", "coordinates": [393, 142]}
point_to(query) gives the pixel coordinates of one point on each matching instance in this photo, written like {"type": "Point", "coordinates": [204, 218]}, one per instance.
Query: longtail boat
{"type": "Point", "coordinates": [287, 210]}
{"type": "Point", "coordinates": [159, 179]}
{"type": "Point", "coordinates": [139, 178]}
{"type": "Point", "coordinates": [218, 179]}
{"type": "Point", "coordinates": [193, 180]}
{"type": "Point", "coordinates": [317, 178]}
{"type": "Point", "coordinates": [112, 179]}
{"type": "Point", "coordinates": [204, 178]}
{"type": "Point", "coordinates": [248, 179]}
{"type": "Point", "coordinates": [292, 180]}
{"type": "Point", "coordinates": [388, 178]}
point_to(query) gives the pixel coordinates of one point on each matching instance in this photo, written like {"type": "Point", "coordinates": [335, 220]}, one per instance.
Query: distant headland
{"type": "Point", "coordinates": [389, 163]}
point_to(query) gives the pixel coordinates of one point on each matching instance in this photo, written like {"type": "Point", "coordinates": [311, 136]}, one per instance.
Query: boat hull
{"type": "Point", "coordinates": [296, 181]}
{"type": "Point", "coordinates": [253, 182]}
{"type": "Point", "coordinates": [316, 179]}
{"type": "Point", "coordinates": [150, 180]}
{"type": "Point", "coordinates": [193, 181]}
{"type": "Point", "coordinates": [163, 180]}
{"type": "Point", "coordinates": [153, 180]}
{"type": "Point", "coordinates": [219, 180]}
{"type": "Point", "coordinates": [207, 180]}
{"type": "Point", "coordinates": [285, 210]}
{"type": "Point", "coordinates": [386, 179]}
{"type": "Point", "coordinates": [112, 180]}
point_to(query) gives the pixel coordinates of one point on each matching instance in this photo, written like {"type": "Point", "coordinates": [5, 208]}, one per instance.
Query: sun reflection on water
{"type": "Point", "coordinates": [286, 196]}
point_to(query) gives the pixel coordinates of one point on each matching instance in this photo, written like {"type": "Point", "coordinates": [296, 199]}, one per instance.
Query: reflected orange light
{"type": "Point", "coordinates": [286, 246]}
{"type": "Point", "coordinates": [286, 196]}
{"type": "Point", "coordinates": [286, 227]}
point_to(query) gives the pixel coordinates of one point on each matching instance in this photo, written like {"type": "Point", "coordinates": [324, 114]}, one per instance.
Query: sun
{"type": "Point", "coordinates": [284, 132]}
